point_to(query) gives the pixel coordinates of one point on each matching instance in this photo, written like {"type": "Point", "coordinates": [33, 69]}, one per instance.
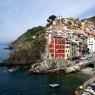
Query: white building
{"type": "Point", "coordinates": [91, 44]}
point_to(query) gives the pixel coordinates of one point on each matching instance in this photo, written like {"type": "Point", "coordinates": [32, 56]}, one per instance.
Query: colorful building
{"type": "Point", "coordinates": [56, 46]}
{"type": "Point", "coordinates": [67, 38]}
{"type": "Point", "coordinates": [60, 46]}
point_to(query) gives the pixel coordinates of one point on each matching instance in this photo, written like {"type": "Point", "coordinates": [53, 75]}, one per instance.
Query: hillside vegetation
{"type": "Point", "coordinates": [27, 49]}
{"type": "Point", "coordinates": [92, 18]}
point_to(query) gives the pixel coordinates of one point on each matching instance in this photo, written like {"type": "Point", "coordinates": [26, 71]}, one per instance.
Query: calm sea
{"type": "Point", "coordinates": [20, 83]}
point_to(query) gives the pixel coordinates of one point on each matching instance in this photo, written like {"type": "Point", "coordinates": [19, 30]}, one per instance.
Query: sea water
{"type": "Point", "coordinates": [21, 83]}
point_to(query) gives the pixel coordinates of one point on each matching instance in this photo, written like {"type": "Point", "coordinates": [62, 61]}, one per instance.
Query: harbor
{"type": "Point", "coordinates": [47, 47]}
{"type": "Point", "coordinates": [38, 84]}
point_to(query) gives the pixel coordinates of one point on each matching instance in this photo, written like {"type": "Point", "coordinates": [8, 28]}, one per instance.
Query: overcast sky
{"type": "Point", "coordinates": [16, 16]}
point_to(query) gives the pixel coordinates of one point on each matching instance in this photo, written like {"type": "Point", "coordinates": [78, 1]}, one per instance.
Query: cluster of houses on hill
{"type": "Point", "coordinates": [68, 38]}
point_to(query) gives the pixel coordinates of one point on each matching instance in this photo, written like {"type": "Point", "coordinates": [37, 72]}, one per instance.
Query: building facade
{"type": "Point", "coordinates": [91, 44]}
{"type": "Point", "coordinates": [68, 38]}
{"type": "Point", "coordinates": [56, 46]}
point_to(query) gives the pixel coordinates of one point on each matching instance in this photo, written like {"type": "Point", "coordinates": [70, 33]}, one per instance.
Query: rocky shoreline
{"type": "Point", "coordinates": [45, 68]}
{"type": "Point", "coordinates": [88, 88]}
{"type": "Point", "coordinates": [89, 71]}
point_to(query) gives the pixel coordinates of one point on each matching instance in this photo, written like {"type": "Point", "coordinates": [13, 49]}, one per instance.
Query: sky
{"type": "Point", "coordinates": [16, 16]}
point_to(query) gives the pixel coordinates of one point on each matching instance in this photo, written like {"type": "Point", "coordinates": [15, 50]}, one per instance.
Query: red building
{"type": "Point", "coordinates": [57, 47]}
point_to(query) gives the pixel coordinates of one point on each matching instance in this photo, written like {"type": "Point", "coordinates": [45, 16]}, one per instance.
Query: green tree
{"type": "Point", "coordinates": [51, 19]}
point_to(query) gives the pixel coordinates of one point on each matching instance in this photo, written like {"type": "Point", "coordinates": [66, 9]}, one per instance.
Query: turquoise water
{"type": "Point", "coordinates": [21, 83]}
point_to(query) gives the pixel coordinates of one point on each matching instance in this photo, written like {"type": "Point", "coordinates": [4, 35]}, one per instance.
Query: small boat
{"type": "Point", "coordinates": [10, 70]}
{"type": "Point", "coordinates": [13, 69]}
{"type": "Point", "coordinates": [53, 85]}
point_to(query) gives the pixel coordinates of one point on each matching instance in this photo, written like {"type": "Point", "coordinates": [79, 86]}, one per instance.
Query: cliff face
{"type": "Point", "coordinates": [30, 48]}
{"type": "Point", "coordinates": [27, 49]}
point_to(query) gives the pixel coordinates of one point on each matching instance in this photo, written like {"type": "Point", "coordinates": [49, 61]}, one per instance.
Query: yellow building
{"type": "Point", "coordinates": [67, 50]}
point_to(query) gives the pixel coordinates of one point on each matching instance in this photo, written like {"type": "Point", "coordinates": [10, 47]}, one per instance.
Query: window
{"type": "Point", "coordinates": [59, 51]}
{"type": "Point", "coordinates": [52, 42]}
{"type": "Point", "coordinates": [70, 37]}
{"type": "Point", "coordinates": [61, 46]}
{"type": "Point", "coordinates": [67, 56]}
{"type": "Point", "coordinates": [56, 55]}
{"type": "Point", "coordinates": [56, 41]}
{"type": "Point", "coordinates": [56, 46]}
{"type": "Point", "coordinates": [61, 42]}
{"type": "Point", "coordinates": [67, 42]}
{"type": "Point", "coordinates": [52, 55]}
{"type": "Point", "coordinates": [90, 44]}
{"type": "Point", "coordinates": [62, 51]}
{"type": "Point", "coordinates": [72, 54]}
{"type": "Point", "coordinates": [51, 50]}
{"type": "Point", "coordinates": [67, 46]}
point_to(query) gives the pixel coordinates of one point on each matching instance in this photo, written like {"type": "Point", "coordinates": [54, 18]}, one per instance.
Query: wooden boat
{"type": "Point", "coordinates": [53, 85]}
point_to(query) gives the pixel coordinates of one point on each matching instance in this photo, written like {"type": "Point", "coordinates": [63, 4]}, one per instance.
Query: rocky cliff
{"type": "Point", "coordinates": [30, 47]}
{"type": "Point", "coordinates": [27, 49]}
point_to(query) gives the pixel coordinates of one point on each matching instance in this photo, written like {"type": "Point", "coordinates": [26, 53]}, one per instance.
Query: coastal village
{"type": "Point", "coordinates": [47, 47]}
{"type": "Point", "coordinates": [69, 47]}
{"type": "Point", "coordinates": [73, 40]}
{"type": "Point", "coordinates": [70, 44]}
{"type": "Point", "coordinates": [69, 38]}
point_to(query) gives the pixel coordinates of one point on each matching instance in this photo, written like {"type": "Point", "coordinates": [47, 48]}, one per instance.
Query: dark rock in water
{"type": "Point", "coordinates": [9, 48]}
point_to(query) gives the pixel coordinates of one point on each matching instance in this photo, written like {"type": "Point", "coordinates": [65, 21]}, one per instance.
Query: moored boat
{"type": "Point", "coordinates": [53, 85]}
{"type": "Point", "coordinates": [13, 69]}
